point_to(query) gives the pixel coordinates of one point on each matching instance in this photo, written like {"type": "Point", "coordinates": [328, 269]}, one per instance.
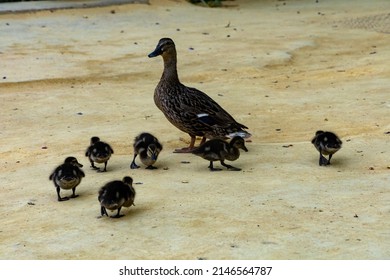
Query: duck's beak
{"type": "Point", "coordinates": [245, 149]}
{"type": "Point", "coordinates": [156, 52]}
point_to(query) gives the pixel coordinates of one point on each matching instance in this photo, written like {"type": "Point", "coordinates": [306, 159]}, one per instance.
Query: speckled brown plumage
{"type": "Point", "coordinates": [190, 109]}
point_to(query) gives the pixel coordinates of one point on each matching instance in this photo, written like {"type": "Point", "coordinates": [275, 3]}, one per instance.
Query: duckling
{"type": "Point", "coordinates": [189, 109]}
{"type": "Point", "coordinates": [218, 149]}
{"type": "Point", "coordinates": [67, 176]}
{"type": "Point", "coordinates": [148, 148]}
{"type": "Point", "coordinates": [99, 152]}
{"type": "Point", "coordinates": [327, 143]}
{"type": "Point", "coordinates": [116, 194]}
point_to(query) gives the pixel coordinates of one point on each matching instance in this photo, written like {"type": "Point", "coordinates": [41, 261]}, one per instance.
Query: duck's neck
{"type": "Point", "coordinates": [170, 68]}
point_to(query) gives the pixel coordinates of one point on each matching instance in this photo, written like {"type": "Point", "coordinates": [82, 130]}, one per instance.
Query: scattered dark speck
{"type": "Point", "coordinates": [138, 183]}
{"type": "Point", "coordinates": [30, 203]}
{"type": "Point", "coordinates": [177, 29]}
{"type": "Point", "coordinates": [371, 168]}
{"type": "Point", "coordinates": [287, 146]}
{"type": "Point", "coordinates": [220, 94]}
{"type": "Point", "coordinates": [201, 258]}
{"type": "Point", "coordinates": [205, 33]}
{"type": "Point", "coordinates": [44, 147]}
{"type": "Point", "coordinates": [185, 162]}
{"type": "Point", "coordinates": [157, 23]}
{"type": "Point", "coordinates": [112, 12]}
{"type": "Point", "coordinates": [372, 52]}
{"type": "Point", "coordinates": [356, 216]}
{"type": "Point", "coordinates": [278, 129]}
{"type": "Point", "coordinates": [79, 113]}
{"type": "Point", "coordinates": [228, 36]}
{"type": "Point", "coordinates": [4, 77]}
{"type": "Point", "coordinates": [387, 132]}
{"type": "Point", "coordinates": [166, 168]}
{"type": "Point", "coordinates": [191, 48]}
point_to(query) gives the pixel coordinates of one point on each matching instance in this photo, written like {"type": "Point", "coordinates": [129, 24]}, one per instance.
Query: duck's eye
{"type": "Point", "coordinates": [94, 150]}
{"type": "Point", "coordinates": [325, 139]}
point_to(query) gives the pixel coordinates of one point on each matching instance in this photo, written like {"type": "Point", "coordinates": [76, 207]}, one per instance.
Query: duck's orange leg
{"type": "Point", "coordinates": [189, 148]}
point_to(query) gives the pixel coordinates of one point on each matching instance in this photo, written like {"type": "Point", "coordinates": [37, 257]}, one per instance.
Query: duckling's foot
{"type": "Point", "coordinates": [117, 214]}
{"type": "Point", "coordinates": [184, 150]}
{"type": "Point", "coordinates": [232, 168]}
{"type": "Point", "coordinates": [323, 161]}
{"type": "Point", "coordinates": [103, 211]}
{"type": "Point", "coordinates": [151, 167]}
{"type": "Point", "coordinates": [94, 167]}
{"type": "Point", "coordinates": [74, 195]}
{"type": "Point", "coordinates": [211, 167]}
{"type": "Point", "coordinates": [229, 167]}
{"type": "Point", "coordinates": [63, 198]}
{"type": "Point", "coordinates": [133, 165]}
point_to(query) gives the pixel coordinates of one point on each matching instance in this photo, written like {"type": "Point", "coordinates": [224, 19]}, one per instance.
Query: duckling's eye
{"type": "Point", "coordinates": [325, 139]}
{"type": "Point", "coordinates": [94, 150]}
{"type": "Point", "coordinates": [74, 173]}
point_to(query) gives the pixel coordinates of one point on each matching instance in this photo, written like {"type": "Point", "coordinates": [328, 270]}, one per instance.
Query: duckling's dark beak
{"type": "Point", "coordinates": [245, 149]}
{"type": "Point", "coordinates": [156, 52]}
{"type": "Point", "coordinates": [79, 164]}
{"type": "Point", "coordinates": [154, 156]}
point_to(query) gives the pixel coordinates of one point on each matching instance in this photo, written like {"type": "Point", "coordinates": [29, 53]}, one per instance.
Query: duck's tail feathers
{"type": "Point", "coordinates": [242, 133]}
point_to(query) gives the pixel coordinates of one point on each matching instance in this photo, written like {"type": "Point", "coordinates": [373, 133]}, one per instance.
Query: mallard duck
{"type": "Point", "coordinates": [218, 149]}
{"type": "Point", "coordinates": [116, 194]}
{"type": "Point", "coordinates": [327, 143]}
{"type": "Point", "coordinates": [148, 148]}
{"type": "Point", "coordinates": [67, 176]}
{"type": "Point", "coordinates": [190, 109]}
{"type": "Point", "coordinates": [99, 152]}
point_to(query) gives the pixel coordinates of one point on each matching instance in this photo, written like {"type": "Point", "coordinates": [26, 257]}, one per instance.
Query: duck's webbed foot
{"type": "Point", "coordinates": [117, 214]}
{"type": "Point", "coordinates": [104, 169]}
{"type": "Point", "coordinates": [103, 211]}
{"type": "Point", "coordinates": [184, 150]}
{"type": "Point", "coordinates": [323, 161]}
{"type": "Point", "coordinates": [74, 195]}
{"type": "Point", "coordinates": [229, 167]}
{"type": "Point", "coordinates": [211, 167]}
{"type": "Point", "coordinates": [151, 167]}
{"type": "Point", "coordinates": [133, 165]}
{"type": "Point", "coordinates": [59, 198]}
{"type": "Point", "coordinates": [188, 149]}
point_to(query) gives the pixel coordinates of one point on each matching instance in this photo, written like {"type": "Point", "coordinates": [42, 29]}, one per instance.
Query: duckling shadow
{"type": "Point", "coordinates": [128, 213]}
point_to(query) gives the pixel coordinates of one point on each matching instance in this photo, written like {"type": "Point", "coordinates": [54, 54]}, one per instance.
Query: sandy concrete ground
{"type": "Point", "coordinates": [283, 68]}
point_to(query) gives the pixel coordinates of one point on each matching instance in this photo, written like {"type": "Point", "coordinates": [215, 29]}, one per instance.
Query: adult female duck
{"type": "Point", "coordinates": [190, 109]}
